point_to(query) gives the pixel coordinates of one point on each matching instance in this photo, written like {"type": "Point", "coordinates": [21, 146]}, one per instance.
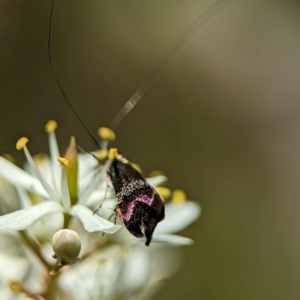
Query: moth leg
{"type": "Point", "coordinates": [115, 219]}
{"type": "Point", "coordinates": [115, 215]}
{"type": "Point", "coordinates": [107, 181]}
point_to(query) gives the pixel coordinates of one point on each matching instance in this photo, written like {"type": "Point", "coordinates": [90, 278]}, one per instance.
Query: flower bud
{"type": "Point", "coordinates": [66, 245]}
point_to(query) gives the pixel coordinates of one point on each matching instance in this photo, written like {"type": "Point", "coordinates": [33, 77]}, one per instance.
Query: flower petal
{"type": "Point", "coordinates": [24, 218]}
{"type": "Point", "coordinates": [9, 199]}
{"type": "Point", "coordinates": [66, 200]}
{"type": "Point", "coordinates": [123, 236]}
{"type": "Point", "coordinates": [102, 173]}
{"type": "Point", "coordinates": [25, 200]}
{"type": "Point", "coordinates": [98, 196]}
{"type": "Point", "coordinates": [100, 269]}
{"type": "Point", "coordinates": [178, 217]}
{"type": "Point", "coordinates": [93, 222]}
{"type": "Point", "coordinates": [18, 177]}
{"type": "Point", "coordinates": [37, 172]}
{"type": "Point", "coordinates": [156, 180]}
{"type": "Point", "coordinates": [12, 267]}
{"type": "Point", "coordinates": [132, 275]}
{"type": "Point", "coordinates": [172, 239]}
{"type": "Point", "coordinates": [54, 154]}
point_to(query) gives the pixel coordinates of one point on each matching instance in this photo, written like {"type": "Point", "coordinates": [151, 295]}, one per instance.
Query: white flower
{"type": "Point", "coordinates": [120, 273]}
{"type": "Point", "coordinates": [18, 267]}
{"type": "Point", "coordinates": [51, 185]}
{"type": "Point", "coordinates": [55, 195]}
{"type": "Point", "coordinates": [11, 267]}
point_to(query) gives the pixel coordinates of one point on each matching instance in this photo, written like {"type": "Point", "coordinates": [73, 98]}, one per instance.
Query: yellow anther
{"type": "Point", "coordinates": [50, 126]}
{"type": "Point", "coordinates": [178, 196]}
{"type": "Point", "coordinates": [21, 143]}
{"type": "Point", "coordinates": [63, 161]}
{"type": "Point", "coordinates": [113, 152]}
{"type": "Point", "coordinates": [102, 154]}
{"type": "Point", "coordinates": [163, 191]}
{"type": "Point", "coordinates": [156, 173]}
{"type": "Point", "coordinates": [106, 133]}
{"type": "Point", "coordinates": [137, 167]}
{"type": "Point", "coordinates": [15, 286]}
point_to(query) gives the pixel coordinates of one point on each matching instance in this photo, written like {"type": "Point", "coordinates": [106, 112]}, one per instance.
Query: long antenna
{"type": "Point", "coordinates": [179, 42]}
{"type": "Point", "coordinates": [140, 91]}
{"type": "Point", "coordinates": [58, 83]}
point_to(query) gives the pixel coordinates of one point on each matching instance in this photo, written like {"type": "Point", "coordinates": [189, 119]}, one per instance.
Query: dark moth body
{"type": "Point", "coordinates": [139, 206]}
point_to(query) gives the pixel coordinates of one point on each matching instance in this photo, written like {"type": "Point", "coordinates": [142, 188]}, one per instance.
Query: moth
{"type": "Point", "coordinates": [139, 206]}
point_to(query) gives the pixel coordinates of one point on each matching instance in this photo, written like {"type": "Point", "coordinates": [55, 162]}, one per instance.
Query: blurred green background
{"type": "Point", "coordinates": [222, 120]}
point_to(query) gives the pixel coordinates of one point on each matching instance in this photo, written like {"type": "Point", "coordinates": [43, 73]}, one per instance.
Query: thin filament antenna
{"type": "Point", "coordinates": [58, 83]}
{"type": "Point", "coordinates": [179, 42]}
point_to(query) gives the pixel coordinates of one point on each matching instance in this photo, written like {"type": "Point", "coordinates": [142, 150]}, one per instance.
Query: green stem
{"type": "Point", "coordinates": [67, 219]}
{"type": "Point", "coordinates": [35, 247]}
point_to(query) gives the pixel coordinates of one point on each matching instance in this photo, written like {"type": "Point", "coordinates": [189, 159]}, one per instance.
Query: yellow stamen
{"type": "Point", "coordinates": [50, 126]}
{"type": "Point", "coordinates": [156, 173]}
{"type": "Point", "coordinates": [178, 196]}
{"type": "Point", "coordinates": [106, 133]}
{"type": "Point", "coordinates": [163, 191]}
{"type": "Point", "coordinates": [21, 143]}
{"type": "Point", "coordinates": [102, 153]}
{"type": "Point", "coordinates": [63, 161]}
{"type": "Point", "coordinates": [113, 152]}
{"type": "Point", "coordinates": [16, 286]}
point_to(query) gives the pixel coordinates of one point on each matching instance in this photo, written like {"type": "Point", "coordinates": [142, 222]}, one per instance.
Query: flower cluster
{"type": "Point", "coordinates": [52, 239]}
